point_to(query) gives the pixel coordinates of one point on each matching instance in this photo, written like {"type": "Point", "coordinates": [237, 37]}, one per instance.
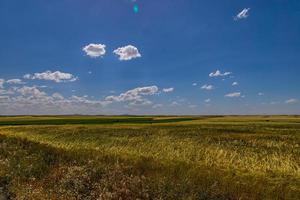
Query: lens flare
{"type": "Point", "coordinates": [135, 8]}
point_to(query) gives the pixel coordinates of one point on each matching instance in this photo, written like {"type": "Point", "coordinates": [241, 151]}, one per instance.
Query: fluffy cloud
{"type": "Point", "coordinates": [194, 84]}
{"type": "Point", "coordinates": [127, 53]}
{"type": "Point", "coordinates": [32, 100]}
{"type": "Point", "coordinates": [207, 100]}
{"type": "Point", "coordinates": [207, 87]}
{"type": "Point", "coordinates": [243, 14]}
{"type": "Point", "coordinates": [15, 81]}
{"type": "Point", "coordinates": [260, 94]}
{"type": "Point", "coordinates": [290, 101]}
{"type": "Point", "coordinates": [94, 50]}
{"type": "Point", "coordinates": [83, 100]}
{"type": "Point", "coordinates": [140, 102]}
{"type": "Point", "coordinates": [57, 96]}
{"type": "Point", "coordinates": [2, 81]}
{"type": "Point", "coordinates": [31, 91]}
{"type": "Point", "coordinates": [56, 76]}
{"type": "Point", "coordinates": [234, 94]}
{"type": "Point", "coordinates": [235, 83]}
{"type": "Point", "coordinates": [219, 73]}
{"type": "Point", "coordinates": [135, 96]}
{"type": "Point", "coordinates": [168, 90]}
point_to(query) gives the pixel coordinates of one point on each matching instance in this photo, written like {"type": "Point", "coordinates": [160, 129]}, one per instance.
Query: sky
{"type": "Point", "coordinates": [138, 57]}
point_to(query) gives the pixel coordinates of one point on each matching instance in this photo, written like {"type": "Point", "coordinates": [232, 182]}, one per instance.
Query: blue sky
{"type": "Point", "coordinates": [102, 57]}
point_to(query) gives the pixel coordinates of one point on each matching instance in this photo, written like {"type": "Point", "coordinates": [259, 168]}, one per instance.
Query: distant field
{"type": "Point", "coordinates": [150, 157]}
{"type": "Point", "coordinates": [88, 120]}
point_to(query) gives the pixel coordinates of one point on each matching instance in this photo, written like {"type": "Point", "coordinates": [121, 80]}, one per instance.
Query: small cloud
{"type": "Point", "coordinates": [207, 100]}
{"type": "Point", "coordinates": [260, 94]}
{"type": "Point", "coordinates": [207, 87]}
{"type": "Point", "coordinates": [194, 84]}
{"type": "Point", "coordinates": [15, 81]}
{"type": "Point", "coordinates": [174, 103]}
{"type": "Point", "coordinates": [242, 15]}
{"type": "Point", "coordinates": [2, 81]}
{"type": "Point", "coordinates": [219, 73]}
{"type": "Point", "coordinates": [31, 91]}
{"type": "Point", "coordinates": [94, 50]}
{"type": "Point", "coordinates": [157, 106]}
{"type": "Point", "coordinates": [291, 101]}
{"type": "Point", "coordinates": [135, 96]}
{"type": "Point", "coordinates": [166, 90]}
{"type": "Point", "coordinates": [232, 95]}
{"type": "Point", "coordinates": [127, 52]}
{"type": "Point", "coordinates": [56, 76]}
{"type": "Point", "coordinates": [57, 96]}
{"type": "Point", "coordinates": [274, 102]}
{"type": "Point", "coordinates": [41, 86]}
{"type": "Point", "coordinates": [90, 72]}
{"type": "Point", "coordinates": [235, 83]}
{"type": "Point", "coordinates": [193, 106]}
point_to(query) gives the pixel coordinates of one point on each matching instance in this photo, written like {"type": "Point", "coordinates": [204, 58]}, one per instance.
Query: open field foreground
{"type": "Point", "coordinates": [213, 157]}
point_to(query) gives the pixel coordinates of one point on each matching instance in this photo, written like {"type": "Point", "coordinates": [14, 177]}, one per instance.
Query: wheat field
{"type": "Point", "coordinates": [150, 157]}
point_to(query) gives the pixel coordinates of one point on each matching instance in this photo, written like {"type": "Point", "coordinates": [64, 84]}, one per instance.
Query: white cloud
{"type": "Point", "coordinates": [94, 50]}
{"type": "Point", "coordinates": [140, 102]}
{"type": "Point", "coordinates": [243, 14]}
{"type": "Point", "coordinates": [32, 100]}
{"type": "Point", "coordinates": [274, 102]}
{"type": "Point", "coordinates": [260, 94]}
{"type": "Point", "coordinates": [168, 90]}
{"type": "Point", "coordinates": [157, 106]}
{"type": "Point", "coordinates": [207, 100]}
{"type": "Point", "coordinates": [31, 91]}
{"type": "Point", "coordinates": [15, 81]}
{"type": "Point", "coordinates": [135, 96]}
{"type": "Point", "coordinates": [194, 84]}
{"type": "Point", "coordinates": [207, 87]}
{"type": "Point", "coordinates": [290, 101]}
{"type": "Point", "coordinates": [235, 83]}
{"type": "Point", "coordinates": [219, 73]}
{"type": "Point", "coordinates": [175, 103]}
{"type": "Point", "coordinates": [127, 53]}
{"type": "Point", "coordinates": [192, 106]}
{"type": "Point", "coordinates": [9, 91]}
{"type": "Point", "coordinates": [57, 96]}
{"type": "Point", "coordinates": [2, 81]}
{"type": "Point", "coordinates": [56, 76]}
{"type": "Point", "coordinates": [234, 94]}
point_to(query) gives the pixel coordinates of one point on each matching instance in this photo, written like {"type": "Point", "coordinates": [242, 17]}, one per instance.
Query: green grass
{"type": "Point", "coordinates": [88, 120]}
{"type": "Point", "coordinates": [212, 157]}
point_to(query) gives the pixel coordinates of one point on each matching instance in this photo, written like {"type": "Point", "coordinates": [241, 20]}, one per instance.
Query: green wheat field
{"type": "Point", "coordinates": [150, 157]}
